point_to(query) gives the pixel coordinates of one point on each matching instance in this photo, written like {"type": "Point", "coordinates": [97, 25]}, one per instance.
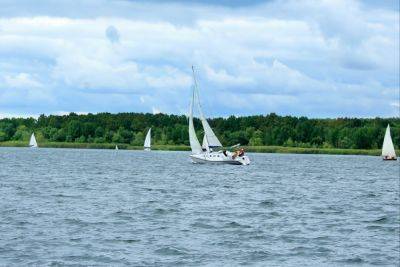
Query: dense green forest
{"type": "Point", "coordinates": [130, 128]}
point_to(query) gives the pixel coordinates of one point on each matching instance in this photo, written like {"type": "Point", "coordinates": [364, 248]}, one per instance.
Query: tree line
{"type": "Point", "coordinates": [272, 129]}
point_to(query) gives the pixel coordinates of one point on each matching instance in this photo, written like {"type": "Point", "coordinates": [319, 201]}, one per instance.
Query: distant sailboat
{"type": "Point", "coordinates": [32, 141]}
{"type": "Point", "coordinates": [205, 153]}
{"type": "Point", "coordinates": [388, 152]}
{"type": "Point", "coordinates": [147, 141]}
{"type": "Point", "coordinates": [116, 147]}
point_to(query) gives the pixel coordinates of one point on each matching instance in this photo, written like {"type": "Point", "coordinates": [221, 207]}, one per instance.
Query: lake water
{"type": "Point", "coordinates": [104, 207]}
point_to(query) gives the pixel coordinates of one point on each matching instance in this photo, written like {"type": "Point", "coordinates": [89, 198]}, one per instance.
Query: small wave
{"type": "Point", "coordinates": [381, 220]}
{"type": "Point", "coordinates": [329, 210]}
{"type": "Point", "coordinates": [380, 228]}
{"type": "Point", "coordinates": [122, 214]}
{"type": "Point", "coordinates": [80, 222]}
{"type": "Point", "coordinates": [9, 211]}
{"type": "Point", "coordinates": [237, 225]}
{"type": "Point", "coordinates": [323, 237]}
{"type": "Point", "coordinates": [130, 240]}
{"type": "Point", "coordinates": [300, 249]}
{"type": "Point", "coordinates": [259, 255]}
{"type": "Point", "coordinates": [345, 230]}
{"type": "Point", "coordinates": [66, 196]}
{"type": "Point", "coordinates": [56, 263]}
{"type": "Point", "coordinates": [73, 221]}
{"type": "Point", "coordinates": [267, 203]}
{"type": "Point", "coordinates": [323, 250]}
{"type": "Point", "coordinates": [170, 251]}
{"type": "Point", "coordinates": [202, 225]}
{"type": "Point", "coordinates": [352, 260]}
{"type": "Point", "coordinates": [293, 232]}
{"type": "Point", "coordinates": [161, 190]}
{"type": "Point", "coordinates": [274, 214]}
{"type": "Point", "coordinates": [20, 223]}
{"type": "Point", "coordinates": [373, 227]}
{"type": "Point", "coordinates": [162, 211]}
{"type": "Point", "coordinates": [370, 195]}
{"type": "Point", "coordinates": [257, 237]}
{"type": "Point", "coordinates": [119, 240]}
{"type": "Point", "coordinates": [87, 257]}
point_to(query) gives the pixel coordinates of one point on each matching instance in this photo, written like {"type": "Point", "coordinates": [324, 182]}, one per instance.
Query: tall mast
{"type": "Point", "coordinates": [197, 94]}
{"type": "Point", "coordinates": [211, 139]}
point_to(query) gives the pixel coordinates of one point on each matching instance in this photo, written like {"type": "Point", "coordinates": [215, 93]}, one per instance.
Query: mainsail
{"type": "Point", "coordinates": [194, 142]}
{"type": "Point", "coordinates": [147, 141]}
{"type": "Point", "coordinates": [32, 141]}
{"type": "Point", "coordinates": [388, 148]}
{"type": "Point", "coordinates": [209, 134]}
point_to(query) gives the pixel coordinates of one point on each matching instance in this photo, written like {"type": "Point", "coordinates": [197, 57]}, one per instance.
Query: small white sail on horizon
{"type": "Point", "coordinates": [32, 141]}
{"type": "Point", "coordinates": [388, 151]}
{"type": "Point", "coordinates": [147, 141]}
{"type": "Point", "coordinates": [116, 147]}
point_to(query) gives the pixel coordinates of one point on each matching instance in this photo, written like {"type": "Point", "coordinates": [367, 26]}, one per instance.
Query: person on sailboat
{"type": "Point", "coordinates": [389, 158]}
{"type": "Point", "coordinates": [237, 153]}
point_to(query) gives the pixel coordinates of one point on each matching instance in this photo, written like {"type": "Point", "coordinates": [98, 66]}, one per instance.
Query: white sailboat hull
{"type": "Point", "coordinates": [384, 158]}
{"type": "Point", "coordinates": [219, 158]}
{"type": "Point", "coordinates": [147, 149]}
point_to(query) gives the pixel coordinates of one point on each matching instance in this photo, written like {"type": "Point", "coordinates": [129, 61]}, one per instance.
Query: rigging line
{"type": "Point", "coordinates": [196, 87]}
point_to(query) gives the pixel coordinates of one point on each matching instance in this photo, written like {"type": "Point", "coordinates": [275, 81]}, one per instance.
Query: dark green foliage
{"type": "Point", "coordinates": [269, 130]}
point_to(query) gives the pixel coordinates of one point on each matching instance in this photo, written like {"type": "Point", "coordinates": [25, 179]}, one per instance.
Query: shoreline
{"type": "Point", "coordinates": [257, 149]}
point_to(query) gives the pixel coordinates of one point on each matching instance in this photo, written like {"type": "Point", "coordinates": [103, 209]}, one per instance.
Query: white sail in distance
{"type": "Point", "coordinates": [147, 141]}
{"type": "Point", "coordinates": [194, 142]}
{"type": "Point", "coordinates": [388, 148]}
{"type": "Point", "coordinates": [208, 132]}
{"type": "Point", "coordinates": [32, 141]}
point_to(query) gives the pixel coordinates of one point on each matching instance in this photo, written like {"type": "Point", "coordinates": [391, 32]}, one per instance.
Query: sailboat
{"type": "Point", "coordinates": [388, 152]}
{"type": "Point", "coordinates": [147, 141]}
{"type": "Point", "coordinates": [116, 147]}
{"type": "Point", "coordinates": [32, 141]}
{"type": "Point", "coordinates": [211, 149]}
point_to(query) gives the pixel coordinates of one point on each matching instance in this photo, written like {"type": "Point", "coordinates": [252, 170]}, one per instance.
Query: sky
{"type": "Point", "coordinates": [325, 58]}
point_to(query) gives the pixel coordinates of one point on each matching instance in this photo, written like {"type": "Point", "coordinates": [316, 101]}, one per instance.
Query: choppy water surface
{"type": "Point", "coordinates": [103, 207]}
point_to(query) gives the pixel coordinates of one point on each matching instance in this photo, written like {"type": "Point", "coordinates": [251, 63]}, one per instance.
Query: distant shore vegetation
{"type": "Point", "coordinates": [129, 129]}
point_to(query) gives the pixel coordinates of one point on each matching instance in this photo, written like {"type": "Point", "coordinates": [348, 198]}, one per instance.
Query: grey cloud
{"type": "Point", "coordinates": [358, 64]}
{"type": "Point", "coordinates": [112, 34]}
